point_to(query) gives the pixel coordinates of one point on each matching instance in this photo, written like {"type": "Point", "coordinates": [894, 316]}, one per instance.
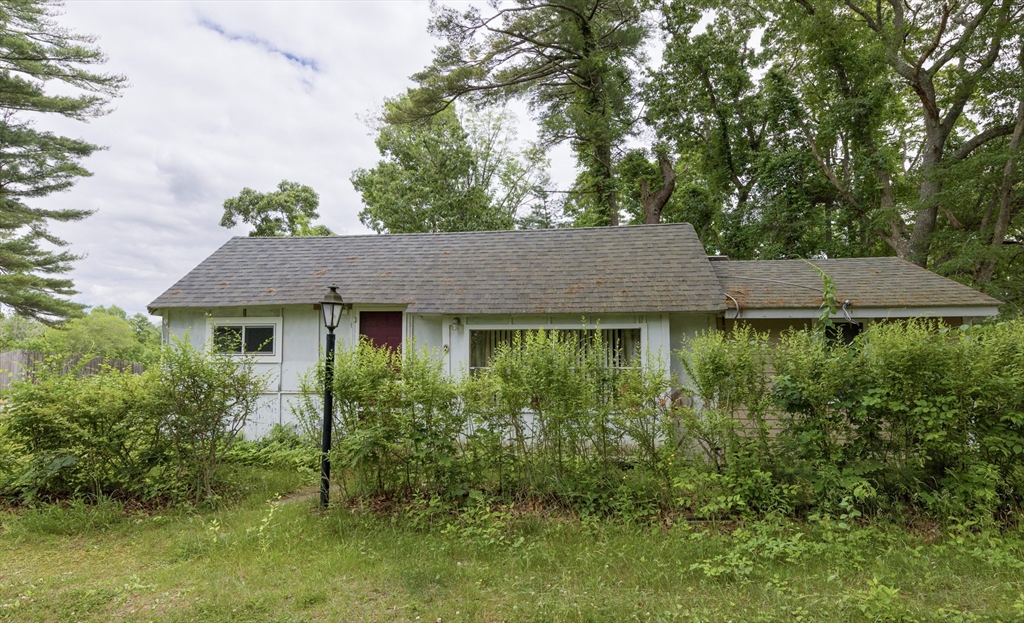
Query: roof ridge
{"type": "Point", "coordinates": [482, 232]}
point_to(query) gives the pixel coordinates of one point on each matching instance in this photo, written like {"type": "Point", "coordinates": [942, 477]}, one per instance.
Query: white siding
{"type": "Point", "coordinates": [427, 332]}
{"type": "Point", "coordinates": [681, 328]}
{"type": "Point", "coordinates": [301, 344]}
{"type": "Point", "coordinates": [302, 337]}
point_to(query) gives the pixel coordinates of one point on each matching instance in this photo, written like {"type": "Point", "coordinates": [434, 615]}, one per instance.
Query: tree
{"type": "Point", "coordinates": [937, 90]}
{"type": "Point", "coordinates": [705, 101]}
{"type": "Point", "coordinates": [635, 176]}
{"type": "Point", "coordinates": [850, 126]}
{"type": "Point", "coordinates": [943, 51]}
{"type": "Point", "coordinates": [652, 191]}
{"type": "Point", "coordinates": [443, 173]}
{"type": "Point", "coordinates": [17, 330]}
{"type": "Point", "coordinates": [288, 211]}
{"type": "Point", "coordinates": [573, 61]}
{"type": "Point", "coordinates": [727, 108]}
{"type": "Point", "coordinates": [103, 332]}
{"type": "Point", "coordinates": [36, 52]}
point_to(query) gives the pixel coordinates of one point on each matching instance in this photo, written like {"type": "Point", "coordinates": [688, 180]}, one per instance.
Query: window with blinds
{"type": "Point", "coordinates": [621, 346]}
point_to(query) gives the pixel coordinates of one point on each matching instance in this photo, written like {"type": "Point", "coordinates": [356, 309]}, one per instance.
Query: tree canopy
{"type": "Point", "coordinates": [35, 53]}
{"type": "Point", "coordinates": [450, 173]}
{"type": "Point", "coordinates": [104, 332]}
{"type": "Point", "coordinates": [573, 61]}
{"type": "Point", "coordinates": [779, 128]}
{"type": "Point", "coordinates": [288, 211]}
{"type": "Point", "coordinates": [852, 128]}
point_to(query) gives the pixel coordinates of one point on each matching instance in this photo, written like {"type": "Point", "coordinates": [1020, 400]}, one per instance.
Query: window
{"type": "Point", "coordinates": [245, 339]}
{"type": "Point", "coordinates": [621, 346]}
{"type": "Point", "coordinates": [843, 332]}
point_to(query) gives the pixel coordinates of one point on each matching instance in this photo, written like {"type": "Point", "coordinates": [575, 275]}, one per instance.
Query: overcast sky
{"type": "Point", "coordinates": [225, 95]}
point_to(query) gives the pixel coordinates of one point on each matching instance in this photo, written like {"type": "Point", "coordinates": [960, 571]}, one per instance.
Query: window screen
{"type": "Point", "coordinates": [228, 339]}
{"type": "Point", "coordinates": [621, 346]}
{"type": "Point", "coordinates": [242, 339]}
{"type": "Point", "coordinates": [259, 340]}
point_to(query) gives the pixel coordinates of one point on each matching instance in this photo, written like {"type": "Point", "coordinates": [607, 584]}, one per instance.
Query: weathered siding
{"type": "Point", "coordinates": [302, 336]}
{"type": "Point", "coordinates": [683, 327]}
{"type": "Point", "coordinates": [428, 332]}
{"type": "Point", "coordinates": [298, 342]}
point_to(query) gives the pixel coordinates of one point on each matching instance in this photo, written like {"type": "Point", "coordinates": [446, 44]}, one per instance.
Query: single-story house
{"type": "Point", "coordinates": [459, 295]}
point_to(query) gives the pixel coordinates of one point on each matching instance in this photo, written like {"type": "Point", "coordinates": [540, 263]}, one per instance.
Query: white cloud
{"type": "Point", "coordinates": [223, 96]}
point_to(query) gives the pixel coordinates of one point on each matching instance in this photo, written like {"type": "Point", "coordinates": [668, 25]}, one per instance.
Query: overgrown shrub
{"type": "Point", "coordinates": [397, 419]}
{"type": "Point", "coordinates": [545, 419]}
{"type": "Point", "coordinates": [281, 448]}
{"type": "Point", "coordinates": [162, 434]}
{"type": "Point", "coordinates": [910, 414]}
{"type": "Point", "coordinates": [92, 435]}
{"type": "Point", "coordinates": [911, 417]}
{"type": "Point", "coordinates": [202, 401]}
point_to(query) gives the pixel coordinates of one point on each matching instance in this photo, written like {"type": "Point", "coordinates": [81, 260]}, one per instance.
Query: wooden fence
{"type": "Point", "coordinates": [15, 365]}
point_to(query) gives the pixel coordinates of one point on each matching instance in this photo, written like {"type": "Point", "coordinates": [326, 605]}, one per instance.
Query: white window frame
{"type": "Point", "coordinates": [255, 321]}
{"type": "Point", "coordinates": [558, 326]}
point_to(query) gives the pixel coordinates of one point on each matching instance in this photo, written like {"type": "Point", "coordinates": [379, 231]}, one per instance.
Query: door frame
{"type": "Point", "coordinates": [372, 307]}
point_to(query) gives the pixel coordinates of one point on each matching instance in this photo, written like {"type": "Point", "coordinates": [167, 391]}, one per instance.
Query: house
{"type": "Point", "coordinates": [773, 295]}
{"type": "Point", "coordinates": [459, 295]}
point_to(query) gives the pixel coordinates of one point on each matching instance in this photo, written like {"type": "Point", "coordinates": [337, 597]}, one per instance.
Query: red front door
{"type": "Point", "coordinates": [383, 328]}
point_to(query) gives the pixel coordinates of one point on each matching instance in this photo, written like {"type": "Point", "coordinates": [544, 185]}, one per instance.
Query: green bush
{"type": "Point", "coordinates": [92, 435]}
{"type": "Point", "coordinates": [162, 434]}
{"type": "Point", "coordinates": [545, 419]}
{"type": "Point", "coordinates": [397, 419]}
{"type": "Point", "coordinates": [911, 414]}
{"type": "Point", "coordinates": [202, 401]}
{"type": "Point", "coordinates": [911, 417]}
{"type": "Point", "coordinates": [282, 448]}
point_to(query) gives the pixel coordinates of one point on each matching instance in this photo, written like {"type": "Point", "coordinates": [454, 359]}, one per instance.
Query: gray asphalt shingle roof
{"type": "Point", "coordinates": [651, 268]}
{"type": "Point", "coordinates": [866, 282]}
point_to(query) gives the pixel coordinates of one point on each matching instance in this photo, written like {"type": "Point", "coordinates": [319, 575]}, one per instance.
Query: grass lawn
{"type": "Point", "coordinates": [259, 561]}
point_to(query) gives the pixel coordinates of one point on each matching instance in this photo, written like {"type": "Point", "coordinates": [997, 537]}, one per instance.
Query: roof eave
{"type": "Point", "coordinates": [935, 311]}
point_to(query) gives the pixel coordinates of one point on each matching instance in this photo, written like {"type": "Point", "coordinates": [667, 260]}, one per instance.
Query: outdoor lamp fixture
{"type": "Point", "coordinates": [331, 306]}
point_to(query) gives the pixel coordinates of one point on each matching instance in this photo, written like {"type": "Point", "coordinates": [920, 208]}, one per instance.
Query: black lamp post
{"type": "Point", "coordinates": [331, 306]}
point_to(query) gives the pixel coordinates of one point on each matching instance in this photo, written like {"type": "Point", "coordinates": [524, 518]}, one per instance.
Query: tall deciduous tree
{"type": "Point", "coordinates": [730, 113]}
{"type": "Point", "coordinates": [850, 123]}
{"type": "Point", "coordinates": [942, 51]}
{"type": "Point", "coordinates": [573, 61]}
{"type": "Point", "coordinates": [288, 211]}
{"type": "Point", "coordinates": [35, 52]}
{"type": "Point", "coordinates": [443, 173]}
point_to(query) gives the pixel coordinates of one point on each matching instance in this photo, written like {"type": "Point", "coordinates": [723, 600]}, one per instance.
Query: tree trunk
{"type": "Point", "coordinates": [1003, 217]}
{"type": "Point", "coordinates": [606, 180]}
{"type": "Point", "coordinates": [896, 237]}
{"type": "Point", "coordinates": [928, 210]}
{"type": "Point", "coordinates": [654, 204]}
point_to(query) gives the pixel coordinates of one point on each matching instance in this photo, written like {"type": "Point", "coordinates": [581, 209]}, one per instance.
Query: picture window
{"type": "Point", "coordinates": [621, 347]}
